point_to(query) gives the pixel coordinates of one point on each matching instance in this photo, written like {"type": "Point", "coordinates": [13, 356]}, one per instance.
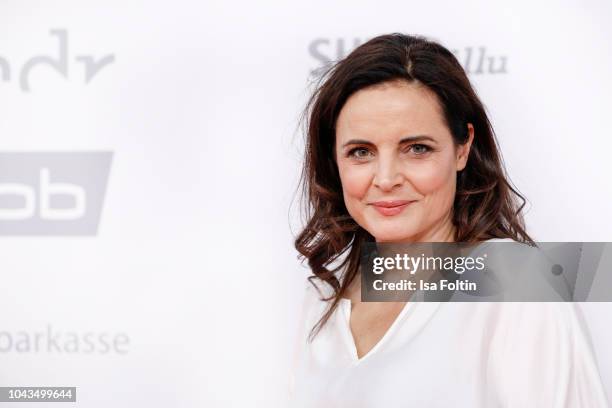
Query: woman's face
{"type": "Point", "coordinates": [398, 163]}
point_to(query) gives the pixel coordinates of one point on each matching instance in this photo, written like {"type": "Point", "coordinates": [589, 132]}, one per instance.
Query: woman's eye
{"type": "Point", "coordinates": [359, 153]}
{"type": "Point", "coordinates": [419, 148]}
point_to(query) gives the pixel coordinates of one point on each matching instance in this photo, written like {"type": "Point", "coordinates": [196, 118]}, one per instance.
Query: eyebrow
{"type": "Point", "coordinates": [417, 138]}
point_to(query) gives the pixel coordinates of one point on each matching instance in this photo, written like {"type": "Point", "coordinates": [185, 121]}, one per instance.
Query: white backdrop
{"type": "Point", "coordinates": [184, 289]}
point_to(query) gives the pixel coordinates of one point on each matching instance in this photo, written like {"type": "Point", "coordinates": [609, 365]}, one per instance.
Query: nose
{"type": "Point", "coordinates": [388, 174]}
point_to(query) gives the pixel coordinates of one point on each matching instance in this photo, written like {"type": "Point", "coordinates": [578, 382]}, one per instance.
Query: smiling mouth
{"type": "Point", "coordinates": [391, 208]}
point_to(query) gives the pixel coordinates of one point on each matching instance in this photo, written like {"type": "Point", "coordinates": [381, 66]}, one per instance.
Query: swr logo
{"type": "Point", "coordinates": [46, 190]}
{"type": "Point", "coordinates": [52, 193]}
{"type": "Point", "coordinates": [91, 65]}
{"type": "Point", "coordinates": [475, 61]}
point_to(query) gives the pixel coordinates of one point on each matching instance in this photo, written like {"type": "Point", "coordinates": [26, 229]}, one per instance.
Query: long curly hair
{"type": "Point", "coordinates": [486, 205]}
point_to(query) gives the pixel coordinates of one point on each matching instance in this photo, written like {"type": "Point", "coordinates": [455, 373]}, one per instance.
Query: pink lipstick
{"type": "Point", "coordinates": [390, 208]}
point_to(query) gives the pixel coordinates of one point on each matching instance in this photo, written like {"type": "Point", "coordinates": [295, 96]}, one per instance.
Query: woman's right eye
{"type": "Point", "coordinates": [359, 153]}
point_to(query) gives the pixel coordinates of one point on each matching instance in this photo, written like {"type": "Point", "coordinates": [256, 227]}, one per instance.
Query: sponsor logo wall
{"type": "Point", "coordinates": [149, 156]}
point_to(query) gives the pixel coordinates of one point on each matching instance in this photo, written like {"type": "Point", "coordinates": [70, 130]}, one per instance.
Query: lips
{"type": "Point", "coordinates": [390, 208]}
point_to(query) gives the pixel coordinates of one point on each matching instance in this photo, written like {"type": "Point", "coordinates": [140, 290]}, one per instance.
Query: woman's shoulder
{"type": "Point", "coordinates": [544, 348]}
{"type": "Point", "coordinates": [520, 320]}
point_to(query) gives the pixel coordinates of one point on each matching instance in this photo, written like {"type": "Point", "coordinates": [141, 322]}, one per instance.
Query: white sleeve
{"type": "Point", "coordinates": [542, 357]}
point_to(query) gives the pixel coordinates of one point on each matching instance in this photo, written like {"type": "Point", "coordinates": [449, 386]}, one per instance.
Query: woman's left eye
{"type": "Point", "coordinates": [419, 148]}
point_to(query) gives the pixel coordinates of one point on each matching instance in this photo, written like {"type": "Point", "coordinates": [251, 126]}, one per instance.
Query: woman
{"type": "Point", "coordinates": [400, 149]}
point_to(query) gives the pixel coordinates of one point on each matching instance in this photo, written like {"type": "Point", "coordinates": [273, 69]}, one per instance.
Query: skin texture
{"type": "Point", "coordinates": [376, 165]}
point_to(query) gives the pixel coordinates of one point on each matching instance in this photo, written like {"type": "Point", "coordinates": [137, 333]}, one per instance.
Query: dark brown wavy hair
{"type": "Point", "coordinates": [486, 204]}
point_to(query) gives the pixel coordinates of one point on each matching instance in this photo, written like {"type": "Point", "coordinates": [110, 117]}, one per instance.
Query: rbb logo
{"type": "Point", "coordinates": [46, 190]}
{"type": "Point", "coordinates": [52, 193]}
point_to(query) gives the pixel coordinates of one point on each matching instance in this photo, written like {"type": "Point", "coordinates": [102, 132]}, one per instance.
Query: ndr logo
{"type": "Point", "coordinates": [52, 193]}
{"type": "Point", "coordinates": [91, 66]}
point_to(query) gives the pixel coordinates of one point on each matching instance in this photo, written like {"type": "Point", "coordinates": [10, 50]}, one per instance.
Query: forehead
{"type": "Point", "coordinates": [391, 110]}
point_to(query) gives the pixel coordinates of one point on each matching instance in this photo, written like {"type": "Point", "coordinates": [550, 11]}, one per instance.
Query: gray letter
{"type": "Point", "coordinates": [501, 70]}
{"type": "Point", "coordinates": [9, 342]}
{"type": "Point", "coordinates": [51, 341]}
{"type": "Point", "coordinates": [468, 59]}
{"type": "Point", "coordinates": [483, 51]}
{"type": "Point", "coordinates": [103, 342]}
{"type": "Point", "coordinates": [314, 52]}
{"type": "Point", "coordinates": [6, 69]}
{"type": "Point", "coordinates": [92, 67]}
{"type": "Point", "coordinates": [24, 342]}
{"type": "Point", "coordinates": [87, 340]}
{"type": "Point", "coordinates": [121, 339]}
{"type": "Point", "coordinates": [60, 65]}
{"type": "Point", "coordinates": [72, 345]}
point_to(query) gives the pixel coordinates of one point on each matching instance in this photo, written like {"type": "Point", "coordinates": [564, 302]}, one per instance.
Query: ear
{"type": "Point", "coordinates": [463, 151]}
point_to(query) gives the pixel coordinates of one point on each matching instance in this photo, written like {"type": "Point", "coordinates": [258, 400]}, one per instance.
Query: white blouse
{"type": "Point", "coordinates": [449, 354]}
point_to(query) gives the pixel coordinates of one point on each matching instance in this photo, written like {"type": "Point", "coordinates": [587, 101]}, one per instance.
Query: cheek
{"type": "Point", "coordinates": [435, 180]}
{"type": "Point", "coordinates": [355, 181]}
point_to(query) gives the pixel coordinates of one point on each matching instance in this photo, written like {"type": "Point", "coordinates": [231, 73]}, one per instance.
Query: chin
{"type": "Point", "coordinates": [391, 229]}
{"type": "Point", "coordinates": [392, 234]}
